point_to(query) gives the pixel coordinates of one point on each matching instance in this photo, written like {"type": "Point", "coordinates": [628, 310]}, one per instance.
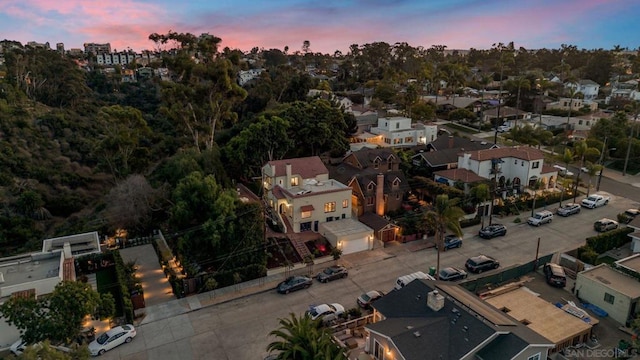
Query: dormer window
{"type": "Point", "coordinates": [295, 181]}
{"type": "Point", "coordinates": [370, 187]}
{"type": "Point", "coordinates": [396, 182]}
{"type": "Point", "coordinates": [376, 163]}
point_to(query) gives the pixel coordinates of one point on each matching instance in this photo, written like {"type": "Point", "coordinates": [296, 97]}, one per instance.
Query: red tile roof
{"type": "Point", "coordinates": [518, 152]}
{"type": "Point", "coordinates": [463, 175]}
{"type": "Point", "coordinates": [548, 169]}
{"type": "Point", "coordinates": [307, 167]}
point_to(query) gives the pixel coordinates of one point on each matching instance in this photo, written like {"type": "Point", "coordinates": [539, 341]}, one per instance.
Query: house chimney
{"type": "Point", "coordinates": [380, 195]}
{"type": "Point", "coordinates": [435, 301]}
{"type": "Point", "coordinates": [450, 141]}
{"type": "Point", "coordinates": [287, 184]}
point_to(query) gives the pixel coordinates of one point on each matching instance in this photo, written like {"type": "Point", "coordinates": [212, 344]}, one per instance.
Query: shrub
{"type": "Point", "coordinates": [609, 240]}
{"type": "Point", "coordinates": [469, 222]}
{"type": "Point", "coordinates": [517, 220]}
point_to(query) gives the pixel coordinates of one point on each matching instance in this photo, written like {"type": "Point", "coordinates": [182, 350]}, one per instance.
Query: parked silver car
{"type": "Point", "coordinates": [569, 209]}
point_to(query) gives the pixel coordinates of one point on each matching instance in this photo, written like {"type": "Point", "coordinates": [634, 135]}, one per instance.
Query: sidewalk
{"type": "Point", "coordinates": [633, 180]}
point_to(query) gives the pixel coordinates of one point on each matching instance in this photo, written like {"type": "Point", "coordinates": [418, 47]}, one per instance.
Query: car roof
{"type": "Point", "coordinates": [118, 329]}
{"type": "Point", "coordinates": [481, 258]}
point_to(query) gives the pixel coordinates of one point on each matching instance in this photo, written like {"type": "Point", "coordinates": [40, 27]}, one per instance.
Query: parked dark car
{"type": "Point", "coordinates": [492, 231]}
{"type": "Point", "coordinates": [451, 242]}
{"type": "Point", "coordinates": [365, 300]}
{"type": "Point", "coordinates": [480, 263]}
{"type": "Point", "coordinates": [555, 275]}
{"type": "Point", "coordinates": [332, 273]}
{"type": "Point", "coordinates": [294, 283]}
{"type": "Point", "coordinates": [452, 274]}
{"type": "Point", "coordinates": [569, 209]}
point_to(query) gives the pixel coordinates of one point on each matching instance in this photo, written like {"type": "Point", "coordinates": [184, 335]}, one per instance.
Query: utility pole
{"type": "Point", "coordinates": [601, 162]}
{"type": "Point", "coordinates": [626, 158]}
{"type": "Point", "coordinates": [535, 263]}
{"type": "Point", "coordinates": [495, 136]}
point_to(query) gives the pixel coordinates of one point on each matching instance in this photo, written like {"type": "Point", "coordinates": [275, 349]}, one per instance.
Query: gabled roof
{"type": "Point", "coordinates": [444, 142]}
{"type": "Point", "coordinates": [366, 157]}
{"type": "Point", "coordinates": [460, 327]}
{"type": "Point", "coordinates": [518, 152]}
{"type": "Point", "coordinates": [345, 173]}
{"type": "Point", "coordinates": [440, 158]}
{"type": "Point", "coordinates": [306, 167]}
{"type": "Point", "coordinates": [588, 82]}
{"type": "Point", "coordinates": [375, 221]}
{"type": "Point", "coordinates": [464, 175]}
{"type": "Point", "coordinates": [506, 346]}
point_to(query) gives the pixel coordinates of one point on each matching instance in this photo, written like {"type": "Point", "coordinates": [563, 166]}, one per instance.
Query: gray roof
{"type": "Point", "coordinates": [374, 221]}
{"type": "Point", "coordinates": [441, 157]}
{"type": "Point", "coordinates": [456, 334]}
{"type": "Point", "coordinates": [454, 142]}
{"type": "Point", "coordinates": [463, 324]}
{"type": "Point", "coordinates": [506, 346]}
{"type": "Point", "coordinates": [344, 173]}
{"type": "Point", "coordinates": [367, 156]}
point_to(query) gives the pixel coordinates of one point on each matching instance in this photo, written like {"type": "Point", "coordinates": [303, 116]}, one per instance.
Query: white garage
{"type": "Point", "coordinates": [348, 235]}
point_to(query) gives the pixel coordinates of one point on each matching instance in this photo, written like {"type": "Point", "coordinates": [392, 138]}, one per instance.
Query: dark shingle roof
{"type": "Point", "coordinates": [441, 157]}
{"type": "Point", "coordinates": [366, 156]}
{"type": "Point", "coordinates": [463, 324]}
{"type": "Point", "coordinates": [345, 172]}
{"type": "Point", "coordinates": [505, 346]}
{"type": "Point", "coordinates": [464, 175]}
{"type": "Point", "coordinates": [374, 221]}
{"type": "Point", "coordinates": [454, 142]}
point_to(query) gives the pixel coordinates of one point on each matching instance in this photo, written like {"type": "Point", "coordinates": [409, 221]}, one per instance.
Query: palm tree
{"type": "Point", "coordinates": [535, 187]}
{"type": "Point", "coordinates": [481, 194]}
{"type": "Point", "coordinates": [301, 338]}
{"type": "Point", "coordinates": [521, 83]}
{"type": "Point", "coordinates": [444, 215]}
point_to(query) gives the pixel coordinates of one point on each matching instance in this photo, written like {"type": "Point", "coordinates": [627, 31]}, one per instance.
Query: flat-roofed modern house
{"type": "Point", "coordinates": [614, 288]}
{"type": "Point", "coordinates": [37, 274]}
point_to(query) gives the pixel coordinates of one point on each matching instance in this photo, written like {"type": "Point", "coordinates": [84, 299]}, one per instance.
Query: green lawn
{"type": "Point", "coordinates": [107, 282]}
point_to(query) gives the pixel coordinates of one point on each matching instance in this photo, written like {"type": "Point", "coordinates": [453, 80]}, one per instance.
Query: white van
{"type": "Point", "coordinates": [405, 279]}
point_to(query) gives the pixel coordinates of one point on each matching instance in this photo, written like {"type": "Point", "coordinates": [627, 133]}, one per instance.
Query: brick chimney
{"type": "Point", "coordinates": [450, 141]}
{"type": "Point", "coordinates": [380, 195]}
{"type": "Point", "coordinates": [435, 301]}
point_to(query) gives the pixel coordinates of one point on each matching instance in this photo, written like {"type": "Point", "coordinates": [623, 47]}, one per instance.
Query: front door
{"type": "Point", "coordinates": [315, 226]}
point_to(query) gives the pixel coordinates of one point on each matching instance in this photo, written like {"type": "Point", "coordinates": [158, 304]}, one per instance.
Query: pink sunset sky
{"type": "Point", "coordinates": [329, 25]}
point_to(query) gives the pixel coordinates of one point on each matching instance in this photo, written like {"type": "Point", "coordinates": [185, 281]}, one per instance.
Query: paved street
{"type": "Point", "coordinates": [234, 324]}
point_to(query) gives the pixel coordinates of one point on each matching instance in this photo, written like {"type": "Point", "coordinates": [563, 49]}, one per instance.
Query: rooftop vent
{"type": "Point", "coordinates": [416, 334]}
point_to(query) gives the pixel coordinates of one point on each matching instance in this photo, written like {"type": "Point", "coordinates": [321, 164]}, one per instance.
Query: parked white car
{"type": "Point", "coordinates": [112, 338]}
{"type": "Point", "coordinates": [327, 312]}
{"type": "Point", "coordinates": [595, 200]}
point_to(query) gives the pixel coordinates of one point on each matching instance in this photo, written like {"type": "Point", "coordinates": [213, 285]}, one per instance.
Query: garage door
{"type": "Point", "coordinates": [355, 245]}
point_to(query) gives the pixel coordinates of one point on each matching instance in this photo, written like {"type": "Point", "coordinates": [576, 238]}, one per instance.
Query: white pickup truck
{"type": "Point", "coordinates": [595, 200]}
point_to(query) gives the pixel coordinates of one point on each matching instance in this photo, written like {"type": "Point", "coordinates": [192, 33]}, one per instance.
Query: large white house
{"type": "Point", "coordinates": [588, 88]}
{"type": "Point", "coordinates": [303, 197]}
{"type": "Point", "coordinates": [37, 274]}
{"type": "Point", "coordinates": [399, 132]}
{"type": "Point", "coordinates": [522, 165]}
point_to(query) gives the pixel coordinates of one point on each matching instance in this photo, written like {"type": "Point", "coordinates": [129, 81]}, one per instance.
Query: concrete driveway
{"type": "Point", "coordinates": [155, 285]}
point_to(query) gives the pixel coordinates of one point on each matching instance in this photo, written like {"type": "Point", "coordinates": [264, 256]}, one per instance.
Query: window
{"type": "Point", "coordinates": [579, 122]}
{"type": "Point", "coordinates": [609, 298]}
{"type": "Point", "coordinates": [398, 196]}
{"type": "Point", "coordinates": [305, 214]}
{"type": "Point", "coordinates": [587, 123]}
{"type": "Point", "coordinates": [376, 163]}
{"type": "Point", "coordinates": [534, 357]}
{"type": "Point", "coordinates": [408, 139]}
{"type": "Point", "coordinates": [370, 186]}
{"type": "Point", "coordinates": [515, 161]}
{"type": "Point", "coordinates": [396, 183]}
{"type": "Point", "coordinates": [370, 200]}
{"type": "Point", "coordinates": [345, 203]}
{"type": "Point", "coordinates": [397, 125]}
{"type": "Point", "coordinates": [536, 164]}
{"type": "Point", "coordinates": [294, 181]}
{"type": "Point", "coordinates": [330, 207]}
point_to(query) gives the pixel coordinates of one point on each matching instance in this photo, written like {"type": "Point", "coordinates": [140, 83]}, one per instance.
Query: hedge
{"type": "Point", "coordinates": [127, 305]}
{"type": "Point", "coordinates": [599, 244]}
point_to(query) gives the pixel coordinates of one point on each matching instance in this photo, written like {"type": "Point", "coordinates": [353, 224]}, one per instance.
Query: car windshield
{"type": "Point", "coordinates": [592, 198]}
{"type": "Point", "coordinates": [329, 271]}
{"type": "Point", "coordinates": [537, 216]}
{"type": "Point", "coordinates": [444, 273]}
{"type": "Point", "coordinates": [365, 297]}
{"type": "Point", "coordinates": [102, 339]}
